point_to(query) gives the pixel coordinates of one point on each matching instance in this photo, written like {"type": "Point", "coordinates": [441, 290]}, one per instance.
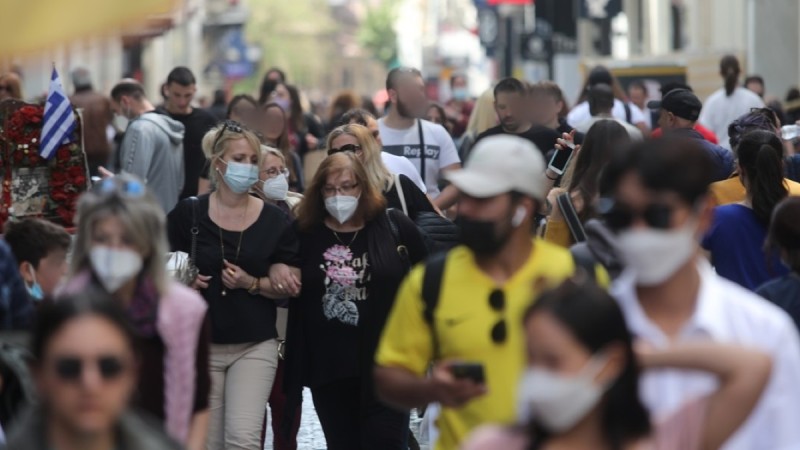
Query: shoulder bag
{"type": "Point", "coordinates": [183, 266]}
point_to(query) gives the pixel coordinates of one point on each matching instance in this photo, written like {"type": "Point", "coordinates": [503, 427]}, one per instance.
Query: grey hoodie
{"type": "Point", "coordinates": [152, 149]}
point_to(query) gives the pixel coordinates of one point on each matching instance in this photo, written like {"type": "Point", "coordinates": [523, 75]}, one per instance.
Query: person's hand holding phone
{"type": "Point", "coordinates": [455, 384]}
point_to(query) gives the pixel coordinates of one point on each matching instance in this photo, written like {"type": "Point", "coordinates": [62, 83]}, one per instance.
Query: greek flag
{"type": "Point", "coordinates": [59, 120]}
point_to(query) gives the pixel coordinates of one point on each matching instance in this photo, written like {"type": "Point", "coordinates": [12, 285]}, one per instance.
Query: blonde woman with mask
{"type": "Point", "coordinates": [273, 181]}
{"type": "Point", "coordinates": [121, 247]}
{"type": "Point", "coordinates": [237, 238]}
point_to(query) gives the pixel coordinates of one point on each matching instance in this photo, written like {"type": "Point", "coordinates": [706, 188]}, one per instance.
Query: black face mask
{"type": "Point", "coordinates": [482, 237]}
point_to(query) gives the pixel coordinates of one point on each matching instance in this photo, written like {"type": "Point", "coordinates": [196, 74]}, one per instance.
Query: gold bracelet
{"type": "Point", "coordinates": [255, 287]}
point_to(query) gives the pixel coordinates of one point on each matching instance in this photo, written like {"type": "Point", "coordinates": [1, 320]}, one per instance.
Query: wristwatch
{"type": "Point", "coordinates": [255, 287]}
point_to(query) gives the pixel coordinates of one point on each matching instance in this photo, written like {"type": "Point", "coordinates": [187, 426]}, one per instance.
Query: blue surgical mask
{"type": "Point", "coordinates": [283, 103]}
{"type": "Point", "coordinates": [460, 94]}
{"type": "Point", "coordinates": [240, 177]}
{"type": "Point", "coordinates": [35, 289]}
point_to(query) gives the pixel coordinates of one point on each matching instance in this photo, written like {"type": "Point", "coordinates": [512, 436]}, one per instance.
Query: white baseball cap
{"type": "Point", "coordinates": [501, 164]}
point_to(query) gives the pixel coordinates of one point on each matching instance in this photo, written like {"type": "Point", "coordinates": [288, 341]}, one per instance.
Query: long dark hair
{"type": "Point", "coordinates": [784, 232]}
{"type": "Point", "coordinates": [596, 321]}
{"type": "Point", "coordinates": [730, 70]}
{"type": "Point", "coordinates": [761, 161]}
{"type": "Point", "coordinates": [238, 99]}
{"type": "Point", "coordinates": [598, 146]}
{"type": "Point", "coordinates": [283, 143]}
{"type": "Point", "coordinates": [295, 114]}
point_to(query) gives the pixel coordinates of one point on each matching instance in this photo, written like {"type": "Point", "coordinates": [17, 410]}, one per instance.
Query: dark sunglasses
{"type": "Point", "coordinates": [71, 368]}
{"type": "Point", "coordinates": [352, 148]}
{"type": "Point", "coordinates": [497, 300]}
{"type": "Point", "coordinates": [619, 216]}
{"type": "Point", "coordinates": [228, 125]}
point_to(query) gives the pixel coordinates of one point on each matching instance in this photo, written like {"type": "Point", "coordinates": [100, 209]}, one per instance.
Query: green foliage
{"type": "Point", "coordinates": [377, 33]}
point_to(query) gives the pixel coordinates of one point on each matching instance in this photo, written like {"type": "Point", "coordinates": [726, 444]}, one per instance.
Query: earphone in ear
{"type": "Point", "coordinates": [519, 216]}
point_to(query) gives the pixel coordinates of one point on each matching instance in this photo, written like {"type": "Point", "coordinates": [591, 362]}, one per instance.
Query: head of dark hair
{"type": "Point", "coordinates": [757, 119]}
{"type": "Point", "coordinates": [669, 164]}
{"type": "Point", "coordinates": [598, 146]}
{"type": "Point", "coordinates": [356, 115]}
{"type": "Point", "coordinates": [127, 88]}
{"type": "Point", "coordinates": [267, 88]}
{"type": "Point", "coordinates": [281, 74]}
{"type": "Point", "coordinates": [31, 240]}
{"type": "Point", "coordinates": [784, 231]}
{"type": "Point", "coordinates": [596, 322]}
{"type": "Point", "coordinates": [397, 72]}
{"type": "Point", "coordinates": [92, 302]}
{"type": "Point", "coordinates": [599, 75]}
{"type": "Point", "coordinates": [638, 84]}
{"type": "Point", "coordinates": [793, 94]}
{"type": "Point", "coordinates": [182, 76]}
{"type": "Point", "coordinates": [510, 85]}
{"type": "Point", "coordinates": [219, 97]}
{"type": "Point", "coordinates": [439, 109]}
{"type": "Point", "coordinates": [296, 110]}
{"type": "Point", "coordinates": [238, 99]}
{"type": "Point", "coordinates": [761, 164]}
{"type": "Point", "coordinates": [601, 99]}
{"type": "Point", "coordinates": [368, 105]}
{"type": "Point", "coordinates": [344, 101]}
{"type": "Point", "coordinates": [754, 79]}
{"type": "Point", "coordinates": [456, 76]}
{"type": "Point", "coordinates": [730, 70]}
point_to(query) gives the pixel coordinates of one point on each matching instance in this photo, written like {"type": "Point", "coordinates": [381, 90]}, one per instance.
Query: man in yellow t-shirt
{"type": "Point", "coordinates": [485, 288]}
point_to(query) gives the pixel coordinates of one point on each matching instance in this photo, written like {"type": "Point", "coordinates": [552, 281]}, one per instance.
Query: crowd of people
{"type": "Point", "coordinates": [621, 274]}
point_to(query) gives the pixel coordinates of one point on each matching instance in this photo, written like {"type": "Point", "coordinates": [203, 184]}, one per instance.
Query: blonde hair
{"type": "Point", "coordinates": [377, 173]}
{"type": "Point", "coordinates": [141, 216]}
{"type": "Point", "coordinates": [215, 152]}
{"type": "Point", "coordinates": [266, 150]}
{"type": "Point", "coordinates": [483, 115]}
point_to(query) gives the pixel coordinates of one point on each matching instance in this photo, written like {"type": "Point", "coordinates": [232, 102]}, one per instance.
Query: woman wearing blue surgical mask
{"type": "Point", "coordinates": [354, 255]}
{"type": "Point", "coordinates": [121, 247]}
{"type": "Point", "coordinates": [581, 387]}
{"type": "Point", "coordinates": [235, 238]}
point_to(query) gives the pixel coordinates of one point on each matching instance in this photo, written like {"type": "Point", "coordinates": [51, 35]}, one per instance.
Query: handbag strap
{"type": "Point", "coordinates": [401, 194]}
{"type": "Point", "coordinates": [571, 216]}
{"type": "Point", "coordinates": [195, 230]}
{"type": "Point", "coordinates": [421, 151]}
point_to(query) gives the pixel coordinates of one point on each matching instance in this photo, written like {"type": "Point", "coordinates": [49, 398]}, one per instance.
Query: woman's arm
{"type": "Point", "coordinates": [743, 374]}
{"type": "Point", "coordinates": [198, 430]}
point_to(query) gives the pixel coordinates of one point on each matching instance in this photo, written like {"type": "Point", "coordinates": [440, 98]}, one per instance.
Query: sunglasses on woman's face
{"type": "Point", "coordinates": [70, 369]}
{"type": "Point", "coordinates": [352, 148]}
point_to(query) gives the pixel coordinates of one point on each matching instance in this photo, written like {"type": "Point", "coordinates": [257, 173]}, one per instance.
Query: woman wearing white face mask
{"type": "Point", "coordinates": [237, 237]}
{"type": "Point", "coordinates": [354, 255]}
{"type": "Point", "coordinates": [581, 387]}
{"type": "Point", "coordinates": [121, 246]}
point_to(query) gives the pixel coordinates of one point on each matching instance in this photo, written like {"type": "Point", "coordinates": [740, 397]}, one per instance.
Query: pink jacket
{"type": "Point", "coordinates": [180, 319]}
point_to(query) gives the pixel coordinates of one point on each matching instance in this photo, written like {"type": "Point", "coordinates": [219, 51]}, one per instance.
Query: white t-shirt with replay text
{"type": "Point", "coordinates": [440, 150]}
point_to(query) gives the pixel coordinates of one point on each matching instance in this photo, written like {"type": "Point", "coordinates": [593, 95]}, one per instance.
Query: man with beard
{"type": "Point", "coordinates": [511, 103]}
{"type": "Point", "coordinates": [482, 289]}
{"type": "Point", "coordinates": [404, 133]}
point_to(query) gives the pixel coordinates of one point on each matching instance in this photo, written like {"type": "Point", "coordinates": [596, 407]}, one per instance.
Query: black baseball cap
{"type": "Point", "coordinates": [681, 102]}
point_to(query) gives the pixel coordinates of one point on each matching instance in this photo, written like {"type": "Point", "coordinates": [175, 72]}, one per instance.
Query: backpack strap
{"type": "Point", "coordinates": [421, 151]}
{"type": "Point", "coordinates": [628, 113]}
{"type": "Point", "coordinates": [584, 259]}
{"type": "Point", "coordinates": [571, 216]}
{"type": "Point", "coordinates": [431, 290]}
{"type": "Point", "coordinates": [401, 194]}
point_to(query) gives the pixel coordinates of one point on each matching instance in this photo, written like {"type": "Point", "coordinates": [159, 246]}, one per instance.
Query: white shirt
{"type": "Point", "coordinates": [633, 132]}
{"type": "Point", "coordinates": [719, 111]}
{"type": "Point", "coordinates": [728, 313]}
{"type": "Point", "coordinates": [581, 113]}
{"type": "Point", "coordinates": [440, 150]}
{"type": "Point", "coordinates": [400, 165]}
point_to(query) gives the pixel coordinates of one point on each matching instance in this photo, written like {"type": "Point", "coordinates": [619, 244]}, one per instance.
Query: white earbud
{"type": "Point", "coordinates": [519, 216]}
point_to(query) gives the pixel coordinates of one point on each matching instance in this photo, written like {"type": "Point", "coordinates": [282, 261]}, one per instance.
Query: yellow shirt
{"type": "Point", "coordinates": [732, 190]}
{"type": "Point", "coordinates": [463, 321]}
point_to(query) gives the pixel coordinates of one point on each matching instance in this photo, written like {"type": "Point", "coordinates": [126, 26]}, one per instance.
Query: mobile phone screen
{"type": "Point", "coordinates": [561, 159]}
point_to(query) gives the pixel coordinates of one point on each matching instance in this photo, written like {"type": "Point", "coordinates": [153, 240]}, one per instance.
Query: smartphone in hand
{"type": "Point", "coordinates": [470, 371]}
{"type": "Point", "coordinates": [560, 159]}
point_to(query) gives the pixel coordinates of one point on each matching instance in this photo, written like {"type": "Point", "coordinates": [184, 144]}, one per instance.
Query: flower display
{"type": "Point", "coordinates": [65, 172]}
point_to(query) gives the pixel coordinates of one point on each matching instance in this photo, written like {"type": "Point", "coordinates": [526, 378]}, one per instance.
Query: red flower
{"type": "Point", "coordinates": [63, 154]}
{"type": "Point", "coordinates": [74, 172]}
{"type": "Point", "coordinates": [18, 155]}
{"type": "Point", "coordinates": [58, 177]}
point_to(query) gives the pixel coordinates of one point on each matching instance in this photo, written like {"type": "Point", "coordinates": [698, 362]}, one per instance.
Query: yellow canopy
{"type": "Point", "coordinates": [31, 25]}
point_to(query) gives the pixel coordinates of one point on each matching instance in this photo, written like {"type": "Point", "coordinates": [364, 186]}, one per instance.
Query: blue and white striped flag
{"type": "Point", "coordinates": [59, 120]}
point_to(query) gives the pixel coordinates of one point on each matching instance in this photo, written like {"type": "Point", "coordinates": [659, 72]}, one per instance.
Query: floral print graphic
{"type": "Point", "coordinates": [344, 284]}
